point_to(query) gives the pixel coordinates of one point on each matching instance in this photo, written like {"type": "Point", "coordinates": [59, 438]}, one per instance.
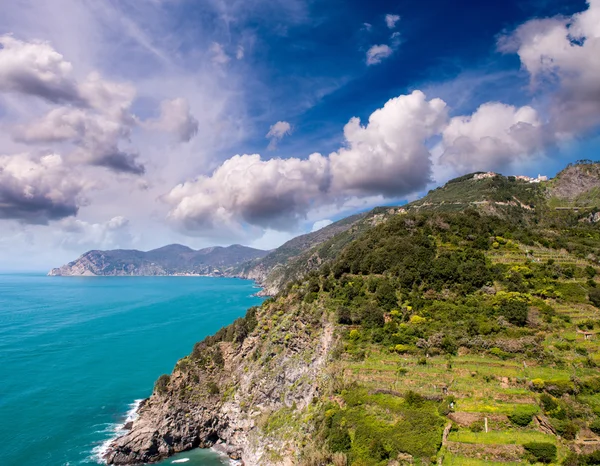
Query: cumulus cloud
{"type": "Point", "coordinates": [94, 114]}
{"type": "Point", "coordinates": [492, 137]}
{"type": "Point", "coordinates": [386, 157]}
{"type": "Point", "coordinates": [78, 234]}
{"type": "Point", "coordinates": [219, 56]}
{"type": "Point", "coordinates": [35, 68]}
{"type": "Point", "coordinates": [271, 193]}
{"type": "Point", "coordinates": [391, 20]}
{"type": "Point", "coordinates": [377, 53]}
{"type": "Point", "coordinates": [176, 118]}
{"type": "Point", "coordinates": [277, 132]}
{"type": "Point", "coordinates": [561, 56]}
{"type": "Point", "coordinates": [38, 190]}
{"type": "Point", "coordinates": [95, 135]}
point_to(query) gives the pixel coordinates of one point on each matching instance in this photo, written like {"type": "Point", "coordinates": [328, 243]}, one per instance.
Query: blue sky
{"type": "Point", "coordinates": [141, 123]}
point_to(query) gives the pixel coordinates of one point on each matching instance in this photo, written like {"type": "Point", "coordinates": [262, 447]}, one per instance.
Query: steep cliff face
{"type": "Point", "coordinates": [225, 392]}
{"type": "Point", "coordinates": [576, 186]}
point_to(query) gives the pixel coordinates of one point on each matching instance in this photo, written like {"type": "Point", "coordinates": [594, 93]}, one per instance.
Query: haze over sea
{"type": "Point", "coordinates": [75, 353]}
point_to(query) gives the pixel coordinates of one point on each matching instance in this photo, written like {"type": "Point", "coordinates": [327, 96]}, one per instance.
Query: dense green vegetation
{"type": "Point", "coordinates": [427, 285]}
{"type": "Point", "coordinates": [465, 334]}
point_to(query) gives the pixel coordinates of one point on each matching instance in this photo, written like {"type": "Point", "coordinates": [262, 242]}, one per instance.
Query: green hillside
{"type": "Point", "coordinates": [427, 334]}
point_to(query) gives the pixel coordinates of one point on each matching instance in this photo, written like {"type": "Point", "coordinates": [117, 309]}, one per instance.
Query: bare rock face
{"type": "Point", "coordinates": [576, 180]}
{"type": "Point", "coordinates": [218, 395]}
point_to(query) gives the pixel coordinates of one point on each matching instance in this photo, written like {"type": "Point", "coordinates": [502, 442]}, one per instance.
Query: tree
{"type": "Point", "coordinates": [515, 311]}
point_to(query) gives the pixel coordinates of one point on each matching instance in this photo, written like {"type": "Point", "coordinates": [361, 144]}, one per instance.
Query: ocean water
{"type": "Point", "coordinates": [76, 354]}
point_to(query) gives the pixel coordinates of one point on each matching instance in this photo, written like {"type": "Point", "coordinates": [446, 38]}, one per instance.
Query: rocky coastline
{"type": "Point", "coordinates": [219, 395]}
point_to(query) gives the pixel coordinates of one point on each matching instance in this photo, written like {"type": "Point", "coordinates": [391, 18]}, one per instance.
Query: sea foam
{"type": "Point", "coordinates": [116, 430]}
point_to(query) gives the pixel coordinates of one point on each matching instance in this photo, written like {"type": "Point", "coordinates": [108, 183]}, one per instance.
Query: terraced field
{"type": "Point", "coordinates": [487, 390]}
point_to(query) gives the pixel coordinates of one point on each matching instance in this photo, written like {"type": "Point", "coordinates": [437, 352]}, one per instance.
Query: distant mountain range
{"type": "Point", "coordinates": [174, 259]}
{"type": "Point", "coordinates": [575, 189]}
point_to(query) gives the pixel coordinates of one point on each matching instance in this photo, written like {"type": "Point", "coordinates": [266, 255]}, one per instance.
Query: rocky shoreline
{"type": "Point", "coordinates": [217, 396]}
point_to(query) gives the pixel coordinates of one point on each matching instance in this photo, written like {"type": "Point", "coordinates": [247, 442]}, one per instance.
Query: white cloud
{"type": "Point", "coordinates": [377, 53]}
{"type": "Point", "coordinates": [95, 135]}
{"type": "Point", "coordinates": [561, 55]}
{"type": "Point", "coordinates": [271, 193]}
{"type": "Point", "coordinates": [321, 224]}
{"type": "Point", "coordinates": [239, 54]}
{"type": "Point", "coordinates": [176, 118]}
{"type": "Point", "coordinates": [218, 54]}
{"type": "Point", "coordinates": [94, 115]}
{"type": "Point", "coordinates": [367, 26]}
{"type": "Point", "coordinates": [493, 137]}
{"type": "Point", "coordinates": [78, 235]}
{"type": "Point", "coordinates": [386, 157]}
{"type": "Point", "coordinates": [38, 190]}
{"type": "Point", "coordinates": [276, 133]}
{"type": "Point", "coordinates": [35, 68]}
{"type": "Point", "coordinates": [391, 20]}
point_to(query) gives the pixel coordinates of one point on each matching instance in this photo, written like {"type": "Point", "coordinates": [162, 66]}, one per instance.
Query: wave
{"type": "Point", "coordinates": [116, 430]}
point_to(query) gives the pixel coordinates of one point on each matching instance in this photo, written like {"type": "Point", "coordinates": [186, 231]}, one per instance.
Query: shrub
{"type": "Point", "coordinates": [501, 354]}
{"type": "Point", "coordinates": [402, 348]}
{"type": "Point", "coordinates": [217, 357]}
{"type": "Point", "coordinates": [311, 297]}
{"type": "Point", "coordinates": [372, 317]}
{"type": "Point", "coordinates": [449, 345]}
{"type": "Point", "coordinates": [477, 426]}
{"type": "Point", "coordinates": [415, 319]}
{"type": "Point", "coordinates": [538, 384]}
{"type": "Point", "coordinates": [565, 428]}
{"type": "Point", "coordinates": [559, 387]}
{"type": "Point", "coordinates": [344, 316]}
{"type": "Point", "coordinates": [515, 311]}
{"type": "Point", "coordinates": [161, 384]}
{"type": "Point", "coordinates": [520, 418]}
{"type": "Point", "coordinates": [213, 388]}
{"type": "Point", "coordinates": [548, 403]}
{"type": "Point", "coordinates": [595, 426]}
{"type": "Point", "coordinates": [354, 335]}
{"type": "Point", "coordinates": [591, 386]}
{"type": "Point", "coordinates": [540, 452]}
{"type": "Point", "coordinates": [413, 398]}
{"type": "Point", "coordinates": [594, 296]}
{"type": "Point", "coordinates": [574, 459]}
{"type": "Point", "coordinates": [339, 439]}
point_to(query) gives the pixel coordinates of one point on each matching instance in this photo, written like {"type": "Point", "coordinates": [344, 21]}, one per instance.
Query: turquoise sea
{"type": "Point", "coordinates": [75, 354]}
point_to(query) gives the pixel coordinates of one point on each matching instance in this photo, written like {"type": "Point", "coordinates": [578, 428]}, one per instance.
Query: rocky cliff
{"type": "Point", "coordinates": [226, 392]}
